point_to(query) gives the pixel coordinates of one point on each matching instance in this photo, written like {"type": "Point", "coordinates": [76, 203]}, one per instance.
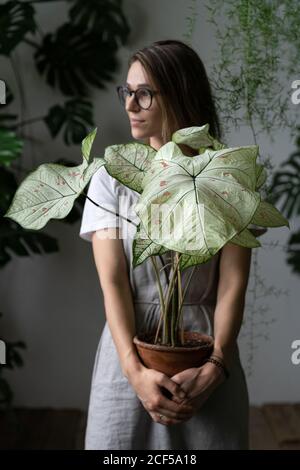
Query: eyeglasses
{"type": "Point", "coordinates": [143, 96]}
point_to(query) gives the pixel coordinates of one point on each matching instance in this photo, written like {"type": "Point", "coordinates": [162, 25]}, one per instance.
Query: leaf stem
{"type": "Point", "coordinates": [108, 210]}
{"type": "Point", "coordinates": [161, 297]}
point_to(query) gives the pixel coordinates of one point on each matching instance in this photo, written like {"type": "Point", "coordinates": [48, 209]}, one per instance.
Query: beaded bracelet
{"type": "Point", "coordinates": [220, 359]}
{"type": "Point", "coordinates": [220, 365]}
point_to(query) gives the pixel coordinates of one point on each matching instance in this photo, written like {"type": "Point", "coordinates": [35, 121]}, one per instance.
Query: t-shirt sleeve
{"type": "Point", "coordinates": [102, 190]}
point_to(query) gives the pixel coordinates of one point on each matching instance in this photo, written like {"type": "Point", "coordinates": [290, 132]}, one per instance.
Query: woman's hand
{"type": "Point", "coordinates": [199, 383]}
{"type": "Point", "coordinates": [151, 388]}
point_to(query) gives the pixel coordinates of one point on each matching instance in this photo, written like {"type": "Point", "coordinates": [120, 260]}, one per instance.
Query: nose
{"type": "Point", "coordinates": [131, 104]}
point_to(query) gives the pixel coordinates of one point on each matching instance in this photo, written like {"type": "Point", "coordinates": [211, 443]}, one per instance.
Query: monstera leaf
{"type": "Point", "coordinates": [73, 58]}
{"type": "Point", "coordinates": [10, 147]}
{"type": "Point", "coordinates": [212, 195]}
{"type": "Point", "coordinates": [285, 189]}
{"type": "Point", "coordinates": [75, 116]}
{"type": "Point", "coordinates": [100, 15]}
{"type": "Point", "coordinates": [285, 186]}
{"type": "Point", "coordinates": [293, 252]}
{"type": "Point", "coordinates": [21, 242]}
{"type": "Point", "coordinates": [49, 192]}
{"type": "Point", "coordinates": [16, 20]}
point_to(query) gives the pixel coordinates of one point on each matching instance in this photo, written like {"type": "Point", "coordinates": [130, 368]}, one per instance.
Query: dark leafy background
{"type": "Point", "coordinates": [75, 59]}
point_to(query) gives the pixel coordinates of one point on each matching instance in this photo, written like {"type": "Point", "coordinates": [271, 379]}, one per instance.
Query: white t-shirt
{"type": "Point", "coordinates": [111, 194]}
{"type": "Point", "coordinates": [102, 189]}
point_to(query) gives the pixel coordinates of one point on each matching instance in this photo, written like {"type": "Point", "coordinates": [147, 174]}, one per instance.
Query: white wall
{"type": "Point", "coordinates": [54, 302]}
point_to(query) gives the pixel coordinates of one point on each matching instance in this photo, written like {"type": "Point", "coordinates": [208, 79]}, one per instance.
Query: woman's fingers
{"type": "Point", "coordinates": [173, 416]}
{"type": "Point", "coordinates": [165, 420]}
{"type": "Point", "coordinates": [161, 396]}
{"type": "Point", "coordinates": [171, 386]}
{"type": "Point", "coordinates": [173, 409]}
{"type": "Point", "coordinates": [164, 406]}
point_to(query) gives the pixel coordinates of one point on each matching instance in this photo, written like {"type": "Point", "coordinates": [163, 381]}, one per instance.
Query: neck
{"type": "Point", "coordinates": [155, 142]}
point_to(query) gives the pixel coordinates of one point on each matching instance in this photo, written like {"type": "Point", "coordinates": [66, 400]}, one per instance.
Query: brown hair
{"type": "Point", "coordinates": [186, 99]}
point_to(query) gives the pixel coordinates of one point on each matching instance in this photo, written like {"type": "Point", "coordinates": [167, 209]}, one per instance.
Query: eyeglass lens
{"type": "Point", "coordinates": [143, 96]}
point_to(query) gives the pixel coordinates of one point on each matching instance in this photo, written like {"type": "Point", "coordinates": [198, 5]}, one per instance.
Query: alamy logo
{"type": "Point", "coordinates": [2, 92]}
{"type": "Point", "coordinates": [296, 94]}
{"type": "Point", "coordinates": [162, 221]}
{"type": "Point", "coordinates": [2, 352]}
{"type": "Point", "coordinates": [295, 358]}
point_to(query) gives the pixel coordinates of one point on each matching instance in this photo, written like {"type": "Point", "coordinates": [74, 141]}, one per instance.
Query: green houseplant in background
{"type": "Point", "coordinates": [257, 45]}
{"type": "Point", "coordinates": [216, 191]}
{"type": "Point", "coordinates": [92, 33]}
{"type": "Point", "coordinates": [285, 187]}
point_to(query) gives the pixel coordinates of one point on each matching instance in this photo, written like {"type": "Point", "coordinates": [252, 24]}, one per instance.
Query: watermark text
{"type": "Point", "coordinates": [295, 358]}
{"type": "Point", "coordinates": [2, 352]}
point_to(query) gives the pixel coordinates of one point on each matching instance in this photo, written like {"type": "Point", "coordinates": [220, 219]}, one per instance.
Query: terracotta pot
{"type": "Point", "coordinates": [171, 360]}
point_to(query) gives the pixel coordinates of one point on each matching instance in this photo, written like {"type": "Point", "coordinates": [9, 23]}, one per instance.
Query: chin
{"type": "Point", "coordinates": [136, 134]}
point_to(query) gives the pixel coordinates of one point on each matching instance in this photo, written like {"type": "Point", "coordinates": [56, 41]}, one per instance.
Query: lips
{"type": "Point", "coordinates": [136, 123]}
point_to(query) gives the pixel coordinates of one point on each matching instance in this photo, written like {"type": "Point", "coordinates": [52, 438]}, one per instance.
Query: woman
{"type": "Point", "coordinates": [167, 89]}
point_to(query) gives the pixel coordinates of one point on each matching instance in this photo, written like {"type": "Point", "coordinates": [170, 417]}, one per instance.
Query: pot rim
{"type": "Point", "coordinates": [162, 347]}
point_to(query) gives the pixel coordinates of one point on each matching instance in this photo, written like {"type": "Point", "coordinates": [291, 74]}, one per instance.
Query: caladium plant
{"type": "Point", "coordinates": [190, 206]}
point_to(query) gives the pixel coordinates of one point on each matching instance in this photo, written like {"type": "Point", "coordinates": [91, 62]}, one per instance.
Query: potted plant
{"type": "Point", "coordinates": [214, 196]}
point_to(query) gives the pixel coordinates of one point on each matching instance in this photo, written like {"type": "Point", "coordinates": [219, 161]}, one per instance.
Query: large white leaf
{"type": "Point", "coordinates": [128, 163]}
{"type": "Point", "coordinates": [196, 138]}
{"type": "Point", "coordinates": [212, 195]}
{"type": "Point", "coordinates": [143, 247]}
{"type": "Point", "coordinates": [245, 238]}
{"type": "Point", "coordinates": [49, 192]}
{"type": "Point", "coordinates": [267, 215]}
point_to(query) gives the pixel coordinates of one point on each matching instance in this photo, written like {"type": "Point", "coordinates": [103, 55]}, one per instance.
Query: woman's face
{"type": "Point", "coordinates": [150, 124]}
